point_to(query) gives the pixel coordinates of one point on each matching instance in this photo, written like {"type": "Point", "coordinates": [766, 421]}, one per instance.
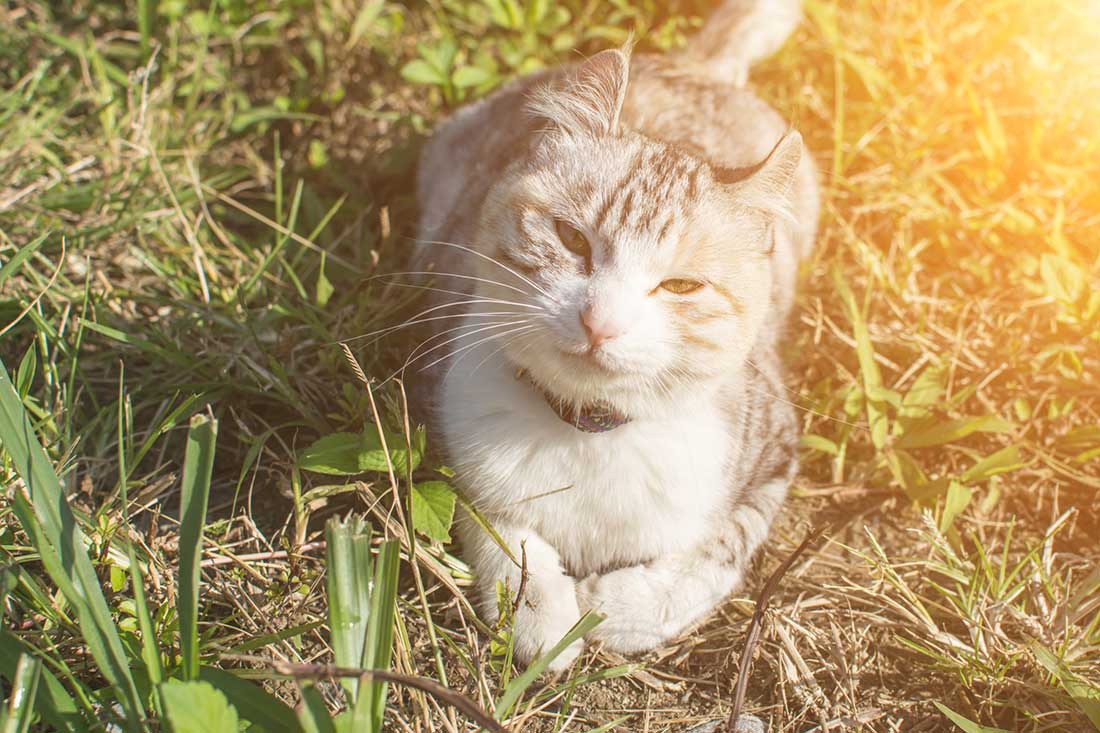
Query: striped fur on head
{"type": "Point", "coordinates": [650, 213]}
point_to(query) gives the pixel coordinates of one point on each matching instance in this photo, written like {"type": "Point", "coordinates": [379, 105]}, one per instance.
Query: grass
{"type": "Point", "coordinates": [194, 198]}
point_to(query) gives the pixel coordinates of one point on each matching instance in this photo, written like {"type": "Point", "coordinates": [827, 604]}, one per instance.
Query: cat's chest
{"type": "Point", "coordinates": [646, 489]}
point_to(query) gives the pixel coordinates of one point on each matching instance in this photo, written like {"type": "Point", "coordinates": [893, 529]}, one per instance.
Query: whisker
{"type": "Point", "coordinates": [418, 321]}
{"type": "Point", "coordinates": [488, 299]}
{"type": "Point", "coordinates": [438, 273]}
{"type": "Point", "coordinates": [495, 261]}
{"type": "Point", "coordinates": [411, 360]}
{"type": "Point", "coordinates": [477, 343]}
{"type": "Point", "coordinates": [496, 351]}
{"type": "Point", "coordinates": [802, 407]}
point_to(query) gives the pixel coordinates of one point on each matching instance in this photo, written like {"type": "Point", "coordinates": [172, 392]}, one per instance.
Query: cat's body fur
{"type": "Point", "coordinates": [652, 523]}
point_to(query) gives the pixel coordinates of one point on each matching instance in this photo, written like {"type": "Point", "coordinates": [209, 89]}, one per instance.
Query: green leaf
{"type": "Point", "coordinates": [1062, 278]}
{"type": "Point", "coordinates": [472, 76]}
{"type": "Point", "coordinates": [865, 352]}
{"type": "Point", "coordinates": [23, 694]}
{"type": "Point", "coordinates": [1084, 693]}
{"type": "Point", "coordinates": [819, 443]}
{"type": "Point", "coordinates": [324, 286]}
{"type": "Point", "coordinates": [956, 500]}
{"type": "Point", "coordinates": [313, 715]}
{"type": "Point", "coordinates": [1003, 461]}
{"type": "Point", "coordinates": [433, 509]}
{"type": "Point", "coordinates": [965, 724]}
{"type": "Point", "coordinates": [196, 707]}
{"type": "Point", "coordinates": [253, 703]}
{"type": "Point", "coordinates": [62, 546]}
{"type": "Point", "coordinates": [16, 261]}
{"type": "Point", "coordinates": [53, 703]}
{"type": "Point", "coordinates": [419, 71]}
{"type": "Point", "coordinates": [198, 464]}
{"type": "Point", "coordinates": [927, 390]}
{"type": "Point", "coordinates": [930, 433]}
{"type": "Point", "coordinates": [344, 454]}
{"type": "Point", "coordinates": [347, 582]}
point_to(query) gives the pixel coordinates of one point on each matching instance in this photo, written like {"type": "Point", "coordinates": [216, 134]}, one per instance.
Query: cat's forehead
{"type": "Point", "coordinates": [639, 189]}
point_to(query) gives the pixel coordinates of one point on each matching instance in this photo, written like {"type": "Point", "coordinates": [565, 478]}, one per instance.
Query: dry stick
{"type": "Point", "coordinates": [459, 702]}
{"type": "Point", "coordinates": [757, 623]}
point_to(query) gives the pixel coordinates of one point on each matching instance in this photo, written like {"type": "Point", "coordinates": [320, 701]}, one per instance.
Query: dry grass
{"type": "Point", "coordinates": [946, 349]}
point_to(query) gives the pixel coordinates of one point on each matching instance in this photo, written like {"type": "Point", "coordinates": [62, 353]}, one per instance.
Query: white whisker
{"type": "Point", "coordinates": [495, 261]}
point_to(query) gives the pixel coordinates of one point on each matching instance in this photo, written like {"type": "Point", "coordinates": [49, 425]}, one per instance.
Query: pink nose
{"type": "Point", "coordinates": [598, 330]}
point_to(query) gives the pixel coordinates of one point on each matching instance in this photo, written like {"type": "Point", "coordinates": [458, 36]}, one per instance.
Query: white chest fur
{"type": "Point", "coordinates": [645, 490]}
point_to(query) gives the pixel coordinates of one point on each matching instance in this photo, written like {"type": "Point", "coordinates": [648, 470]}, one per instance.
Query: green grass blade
{"type": "Point", "coordinates": [10, 267]}
{"type": "Point", "coordinates": [53, 702]}
{"type": "Point", "coordinates": [150, 653]}
{"type": "Point", "coordinates": [24, 692]}
{"type": "Point", "coordinates": [519, 685]}
{"type": "Point", "coordinates": [198, 464]}
{"type": "Point", "coordinates": [347, 577]}
{"type": "Point", "coordinates": [49, 520]}
{"type": "Point", "coordinates": [378, 646]}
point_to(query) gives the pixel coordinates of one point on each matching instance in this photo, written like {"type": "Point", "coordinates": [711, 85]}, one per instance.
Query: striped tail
{"type": "Point", "coordinates": [740, 33]}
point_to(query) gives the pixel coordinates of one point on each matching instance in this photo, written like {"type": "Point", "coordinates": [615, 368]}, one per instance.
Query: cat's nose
{"type": "Point", "coordinates": [598, 329]}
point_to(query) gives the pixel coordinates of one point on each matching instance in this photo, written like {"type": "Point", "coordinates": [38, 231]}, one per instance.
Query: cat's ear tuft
{"type": "Point", "coordinates": [767, 185]}
{"type": "Point", "coordinates": [590, 97]}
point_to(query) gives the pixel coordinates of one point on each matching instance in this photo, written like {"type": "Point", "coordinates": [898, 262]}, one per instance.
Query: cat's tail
{"type": "Point", "coordinates": [740, 33]}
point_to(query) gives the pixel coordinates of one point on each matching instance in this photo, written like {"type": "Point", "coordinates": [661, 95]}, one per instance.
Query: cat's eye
{"type": "Point", "coordinates": [681, 286]}
{"type": "Point", "coordinates": [573, 240]}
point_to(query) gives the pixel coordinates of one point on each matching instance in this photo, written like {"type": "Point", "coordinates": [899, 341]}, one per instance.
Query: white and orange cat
{"type": "Point", "coordinates": [616, 245]}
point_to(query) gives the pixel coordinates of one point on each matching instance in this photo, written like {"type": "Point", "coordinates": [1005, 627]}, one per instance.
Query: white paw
{"type": "Point", "coordinates": [547, 611]}
{"type": "Point", "coordinates": [630, 624]}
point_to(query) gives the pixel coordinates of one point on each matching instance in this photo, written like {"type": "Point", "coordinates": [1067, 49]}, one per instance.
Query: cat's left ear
{"type": "Point", "coordinates": [588, 100]}
{"type": "Point", "coordinates": [768, 184]}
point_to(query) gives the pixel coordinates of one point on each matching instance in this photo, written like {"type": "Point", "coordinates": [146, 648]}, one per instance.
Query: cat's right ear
{"type": "Point", "coordinates": [590, 97]}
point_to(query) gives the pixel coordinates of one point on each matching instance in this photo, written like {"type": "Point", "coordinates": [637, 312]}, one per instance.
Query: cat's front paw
{"type": "Point", "coordinates": [546, 612]}
{"type": "Point", "coordinates": [631, 622]}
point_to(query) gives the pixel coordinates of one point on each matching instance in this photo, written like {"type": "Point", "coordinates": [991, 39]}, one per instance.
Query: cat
{"type": "Point", "coordinates": [615, 246]}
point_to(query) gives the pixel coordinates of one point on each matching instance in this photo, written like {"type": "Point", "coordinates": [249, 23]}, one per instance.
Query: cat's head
{"type": "Point", "coordinates": [653, 268]}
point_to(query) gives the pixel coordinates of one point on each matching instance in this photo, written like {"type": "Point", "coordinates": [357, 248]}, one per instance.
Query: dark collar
{"type": "Point", "coordinates": [597, 417]}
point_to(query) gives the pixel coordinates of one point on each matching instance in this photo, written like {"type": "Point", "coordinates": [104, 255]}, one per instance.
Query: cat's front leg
{"type": "Point", "coordinates": [547, 607]}
{"type": "Point", "coordinates": [647, 605]}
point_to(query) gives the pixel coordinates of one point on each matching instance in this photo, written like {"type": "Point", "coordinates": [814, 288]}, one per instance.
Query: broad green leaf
{"type": "Point", "coordinates": [927, 390]}
{"type": "Point", "coordinates": [198, 464]}
{"type": "Point", "coordinates": [196, 707]}
{"type": "Point", "coordinates": [472, 76]}
{"type": "Point", "coordinates": [1003, 461]}
{"type": "Point", "coordinates": [252, 702]}
{"type": "Point", "coordinates": [964, 723]}
{"type": "Point", "coordinates": [956, 500]}
{"type": "Point", "coordinates": [313, 715]}
{"type": "Point", "coordinates": [433, 509]}
{"type": "Point", "coordinates": [930, 433]}
{"type": "Point", "coordinates": [344, 454]}
{"type": "Point", "coordinates": [908, 473]}
{"type": "Point", "coordinates": [419, 71]}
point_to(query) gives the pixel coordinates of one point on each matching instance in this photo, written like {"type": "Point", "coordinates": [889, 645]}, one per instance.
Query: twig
{"type": "Point", "coordinates": [757, 623]}
{"type": "Point", "coordinates": [459, 702]}
{"type": "Point", "coordinates": [522, 577]}
{"type": "Point", "coordinates": [254, 556]}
